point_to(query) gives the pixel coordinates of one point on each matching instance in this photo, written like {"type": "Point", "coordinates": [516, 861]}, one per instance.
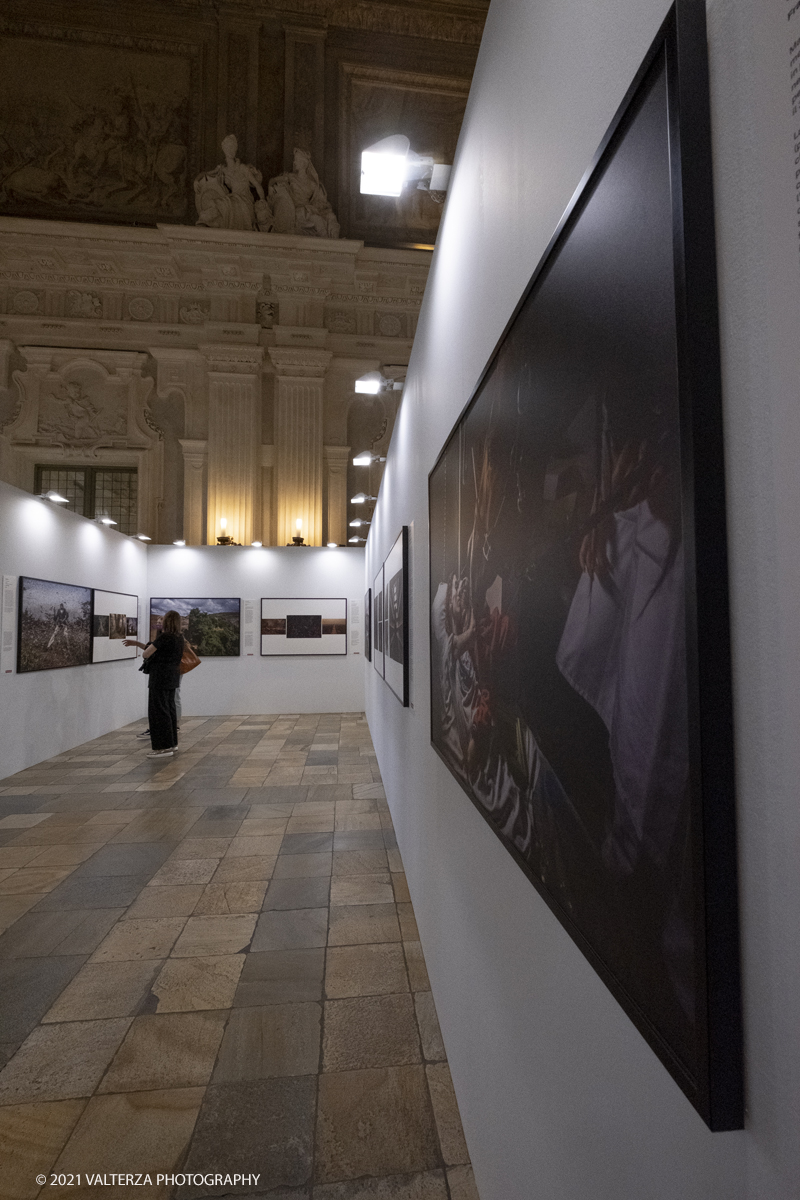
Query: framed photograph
{"type": "Point", "coordinates": [115, 616]}
{"type": "Point", "coordinates": [54, 625]}
{"type": "Point", "coordinates": [368, 625]}
{"type": "Point", "coordinates": [211, 624]}
{"type": "Point", "coordinates": [395, 574]}
{"type": "Point", "coordinates": [580, 673]}
{"type": "Point", "coordinates": [303, 625]}
{"type": "Point", "coordinates": [378, 655]}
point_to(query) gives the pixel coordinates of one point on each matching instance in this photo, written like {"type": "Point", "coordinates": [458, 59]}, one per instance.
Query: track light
{"type": "Point", "coordinates": [55, 498]}
{"type": "Point", "coordinates": [107, 521]}
{"type": "Point", "coordinates": [356, 523]}
{"type": "Point", "coordinates": [366, 458]}
{"type": "Point", "coordinates": [362, 498]}
{"type": "Point", "coordinates": [374, 382]}
{"type": "Point", "coordinates": [142, 537]}
{"type": "Point", "coordinates": [356, 539]}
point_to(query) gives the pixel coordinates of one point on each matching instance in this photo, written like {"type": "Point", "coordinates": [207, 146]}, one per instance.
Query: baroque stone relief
{"type": "Point", "coordinates": [93, 130]}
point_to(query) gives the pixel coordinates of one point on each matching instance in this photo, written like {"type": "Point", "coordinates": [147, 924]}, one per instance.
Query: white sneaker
{"type": "Point", "coordinates": [159, 754]}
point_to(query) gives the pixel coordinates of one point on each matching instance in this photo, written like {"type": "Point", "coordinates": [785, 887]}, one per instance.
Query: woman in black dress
{"type": "Point", "coordinates": [164, 656]}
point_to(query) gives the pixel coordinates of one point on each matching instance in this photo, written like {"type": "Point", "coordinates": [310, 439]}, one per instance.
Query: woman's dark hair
{"type": "Point", "coordinates": [171, 622]}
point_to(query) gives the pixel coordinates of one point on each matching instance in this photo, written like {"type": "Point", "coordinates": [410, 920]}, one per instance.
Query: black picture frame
{"type": "Point", "coordinates": [617, 331]}
{"type": "Point", "coordinates": [300, 641]}
{"type": "Point", "coordinates": [368, 624]}
{"type": "Point", "coordinates": [131, 625]}
{"type": "Point", "coordinates": [378, 641]}
{"type": "Point", "coordinates": [395, 588]}
{"type": "Point", "coordinates": [207, 630]}
{"type": "Point", "coordinates": [69, 643]}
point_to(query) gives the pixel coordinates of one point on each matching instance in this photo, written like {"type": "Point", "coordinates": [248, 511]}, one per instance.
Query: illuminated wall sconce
{"type": "Point", "coordinates": [362, 498]}
{"type": "Point", "coordinates": [388, 165]}
{"type": "Point", "coordinates": [297, 540]}
{"type": "Point", "coordinates": [224, 539]}
{"type": "Point", "coordinates": [366, 458]}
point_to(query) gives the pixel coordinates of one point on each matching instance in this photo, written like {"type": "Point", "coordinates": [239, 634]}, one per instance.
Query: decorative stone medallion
{"type": "Point", "coordinates": [141, 309]}
{"type": "Point", "coordinates": [26, 303]}
{"type": "Point", "coordinates": [389, 325]}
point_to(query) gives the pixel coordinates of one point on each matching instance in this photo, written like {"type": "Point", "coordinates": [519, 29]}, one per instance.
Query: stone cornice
{"type": "Point", "coordinates": [300, 361]}
{"type": "Point", "coordinates": [224, 359]}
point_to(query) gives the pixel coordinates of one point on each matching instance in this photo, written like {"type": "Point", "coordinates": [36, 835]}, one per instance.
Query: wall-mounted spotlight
{"type": "Point", "coordinates": [180, 542]}
{"type": "Point", "coordinates": [357, 523]}
{"type": "Point", "coordinates": [374, 382]}
{"type": "Point", "coordinates": [387, 165]}
{"type": "Point", "coordinates": [332, 545]}
{"type": "Point", "coordinates": [107, 521]}
{"type": "Point", "coordinates": [256, 543]}
{"type": "Point", "coordinates": [366, 458]}
{"type": "Point", "coordinates": [55, 497]}
{"type": "Point", "coordinates": [362, 498]}
{"type": "Point", "coordinates": [142, 537]}
{"type": "Point", "coordinates": [356, 539]}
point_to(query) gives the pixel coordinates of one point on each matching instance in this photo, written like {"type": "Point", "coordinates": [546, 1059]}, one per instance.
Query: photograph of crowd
{"type": "Point", "coordinates": [55, 625]}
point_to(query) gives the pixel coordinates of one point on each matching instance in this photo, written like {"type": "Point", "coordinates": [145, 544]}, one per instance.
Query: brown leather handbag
{"type": "Point", "coordinates": [189, 660]}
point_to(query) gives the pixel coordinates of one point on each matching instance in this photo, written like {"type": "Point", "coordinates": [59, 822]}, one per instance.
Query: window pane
{"type": "Point", "coordinates": [115, 496]}
{"type": "Point", "coordinates": [67, 481]}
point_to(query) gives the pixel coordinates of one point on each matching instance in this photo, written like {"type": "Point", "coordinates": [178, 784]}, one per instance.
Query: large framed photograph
{"type": "Point", "coordinates": [368, 625]}
{"type": "Point", "coordinates": [210, 623]}
{"type": "Point", "coordinates": [378, 655]}
{"type": "Point", "coordinates": [115, 617]}
{"type": "Point", "coordinates": [395, 574]}
{"type": "Point", "coordinates": [580, 673]}
{"type": "Point", "coordinates": [54, 625]}
{"type": "Point", "coordinates": [303, 625]}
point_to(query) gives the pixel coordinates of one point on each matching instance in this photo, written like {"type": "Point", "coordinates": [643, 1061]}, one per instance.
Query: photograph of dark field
{"type": "Point", "coordinates": [210, 624]}
{"type": "Point", "coordinates": [55, 625]}
{"type": "Point", "coordinates": [302, 626]}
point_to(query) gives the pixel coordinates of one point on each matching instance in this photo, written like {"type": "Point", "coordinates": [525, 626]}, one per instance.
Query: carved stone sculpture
{"type": "Point", "coordinates": [231, 196]}
{"type": "Point", "coordinates": [300, 203]}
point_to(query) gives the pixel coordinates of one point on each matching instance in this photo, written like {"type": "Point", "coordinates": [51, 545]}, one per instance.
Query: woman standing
{"type": "Point", "coordinates": [164, 656]}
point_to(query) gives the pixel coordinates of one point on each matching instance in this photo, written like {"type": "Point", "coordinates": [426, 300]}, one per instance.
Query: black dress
{"type": "Point", "coordinates": [164, 677]}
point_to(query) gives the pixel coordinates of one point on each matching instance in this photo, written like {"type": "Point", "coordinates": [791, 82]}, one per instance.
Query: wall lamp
{"type": "Point", "coordinates": [362, 498]}
{"type": "Point", "coordinates": [257, 544]}
{"type": "Point", "coordinates": [357, 523]}
{"type": "Point", "coordinates": [374, 382]}
{"type": "Point", "coordinates": [387, 165]}
{"type": "Point", "coordinates": [332, 545]}
{"type": "Point", "coordinates": [142, 537]}
{"type": "Point", "coordinates": [356, 539]}
{"type": "Point", "coordinates": [107, 521]}
{"type": "Point", "coordinates": [180, 542]}
{"type": "Point", "coordinates": [54, 496]}
{"type": "Point", "coordinates": [366, 459]}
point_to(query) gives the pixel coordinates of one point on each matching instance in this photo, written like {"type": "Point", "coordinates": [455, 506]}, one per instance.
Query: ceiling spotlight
{"type": "Point", "coordinates": [387, 165]}
{"type": "Point", "coordinates": [374, 382]}
{"type": "Point", "coordinates": [356, 539]}
{"type": "Point", "coordinates": [362, 498]}
{"type": "Point", "coordinates": [107, 521]}
{"type": "Point", "coordinates": [333, 545]}
{"type": "Point", "coordinates": [56, 499]}
{"type": "Point", "coordinates": [180, 542]}
{"type": "Point", "coordinates": [256, 543]}
{"type": "Point", "coordinates": [142, 537]}
{"type": "Point", "coordinates": [366, 458]}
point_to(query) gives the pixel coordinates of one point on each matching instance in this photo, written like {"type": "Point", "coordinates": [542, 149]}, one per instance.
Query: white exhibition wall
{"type": "Point", "coordinates": [47, 712]}
{"type": "Point", "coordinates": [560, 1096]}
{"type": "Point", "coordinates": [250, 683]}
{"type": "Point", "coordinates": [44, 713]}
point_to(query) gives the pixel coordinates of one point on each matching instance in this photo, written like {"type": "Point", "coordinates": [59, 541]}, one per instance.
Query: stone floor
{"type": "Point", "coordinates": [212, 967]}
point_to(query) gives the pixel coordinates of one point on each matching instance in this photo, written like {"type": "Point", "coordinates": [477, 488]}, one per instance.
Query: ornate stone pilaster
{"type": "Point", "coordinates": [234, 437]}
{"type": "Point", "coordinates": [336, 460]}
{"type": "Point", "coordinates": [195, 454]}
{"type": "Point", "coordinates": [298, 440]}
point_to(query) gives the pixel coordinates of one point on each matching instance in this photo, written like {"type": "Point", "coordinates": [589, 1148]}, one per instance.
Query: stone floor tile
{"type": "Point", "coordinates": [225, 934]}
{"type": "Point", "coordinates": [281, 977]}
{"type": "Point", "coordinates": [22, 820]}
{"type": "Point", "coordinates": [106, 891]}
{"type": "Point", "coordinates": [427, 1185]}
{"type": "Point", "coordinates": [370, 1031]}
{"type": "Point", "coordinates": [185, 870]}
{"type": "Point", "coordinates": [177, 900]}
{"type": "Point", "coordinates": [113, 989]}
{"type": "Point", "coordinates": [242, 870]}
{"type": "Point", "coordinates": [74, 931]}
{"type": "Point", "coordinates": [269, 1041]}
{"type": "Point", "coordinates": [220, 899]}
{"type": "Point", "coordinates": [303, 892]}
{"type": "Point", "coordinates": [448, 1119]}
{"type": "Point", "coordinates": [143, 938]}
{"type": "Point", "coordinates": [357, 820]}
{"type": "Point", "coordinates": [19, 856]}
{"type": "Point", "coordinates": [264, 1127]}
{"type": "Point", "coordinates": [400, 885]}
{"type": "Point", "coordinates": [61, 1062]}
{"type": "Point", "coordinates": [248, 847]}
{"type": "Point", "coordinates": [429, 1031]}
{"type": "Point", "coordinates": [349, 807]}
{"type": "Point", "coordinates": [389, 839]}
{"type": "Point", "coordinates": [276, 795]}
{"type": "Point", "coordinates": [28, 880]}
{"type": "Point", "coordinates": [360, 862]}
{"type": "Point", "coordinates": [130, 1132]}
{"type": "Point", "coordinates": [375, 1122]}
{"type": "Point", "coordinates": [307, 843]}
{"type": "Point", "coordinates": [359, 839]}
{"type": "Point", "coordinates": [417, 971]}
{"type": "Point", "coordinates": [194, 984]}
{"type": "Point", "coordinates": [263, 826]}
{"type": "Point", "coordinates": [371, 970]}
{"type": "Point", "coordinates": [63, 856]}
{"type": "Point", "coordinates": [169, 1050]}
{"type": "Point", "coordinates": [28, 987]}
{"type": "Point", "coordinates": [31, 1138]}
{"type": "Point", "coordinates": [301, 929]}
{"type": "Point", "coordinates": [408, 923]}
{"type": "Point", "coordinates": [302, 866]}
{"type": "Point", "coordinates": [214, 824]}
{"type": "Point", "coordinates": [142, 858]}
{"type": "Point", "coordinates": [361, 889]}
{"type": "Point", "coordinates": [461, 1181]}
{"type": "Point", "coordinates": [356, 924]}
{"type": "Point", "coordinates": [201, 847]}
{"type": "Point", "coordinates": [395, 861]}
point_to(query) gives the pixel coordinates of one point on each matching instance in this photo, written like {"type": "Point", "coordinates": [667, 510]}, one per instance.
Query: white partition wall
{"type": "Point", "coordinates": [43, 713]}
{"type": "Point", "coordinates": [253, 683]}
{"type": "Point", "coordinates": [560, 1096]}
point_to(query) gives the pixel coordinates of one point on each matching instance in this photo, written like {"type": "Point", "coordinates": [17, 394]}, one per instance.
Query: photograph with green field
{"type": "Point", "coordinates": [209, 624]}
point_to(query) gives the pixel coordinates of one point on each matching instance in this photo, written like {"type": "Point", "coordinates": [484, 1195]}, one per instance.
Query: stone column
{"type": "Point", "coordinates": [195, 453]}
{"type": "Point", "coordinates": [234, 438]}
{"type": "Point", "coordinates": [298, 440]}
{"type": "Point", "coordinates": [336, 460]}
